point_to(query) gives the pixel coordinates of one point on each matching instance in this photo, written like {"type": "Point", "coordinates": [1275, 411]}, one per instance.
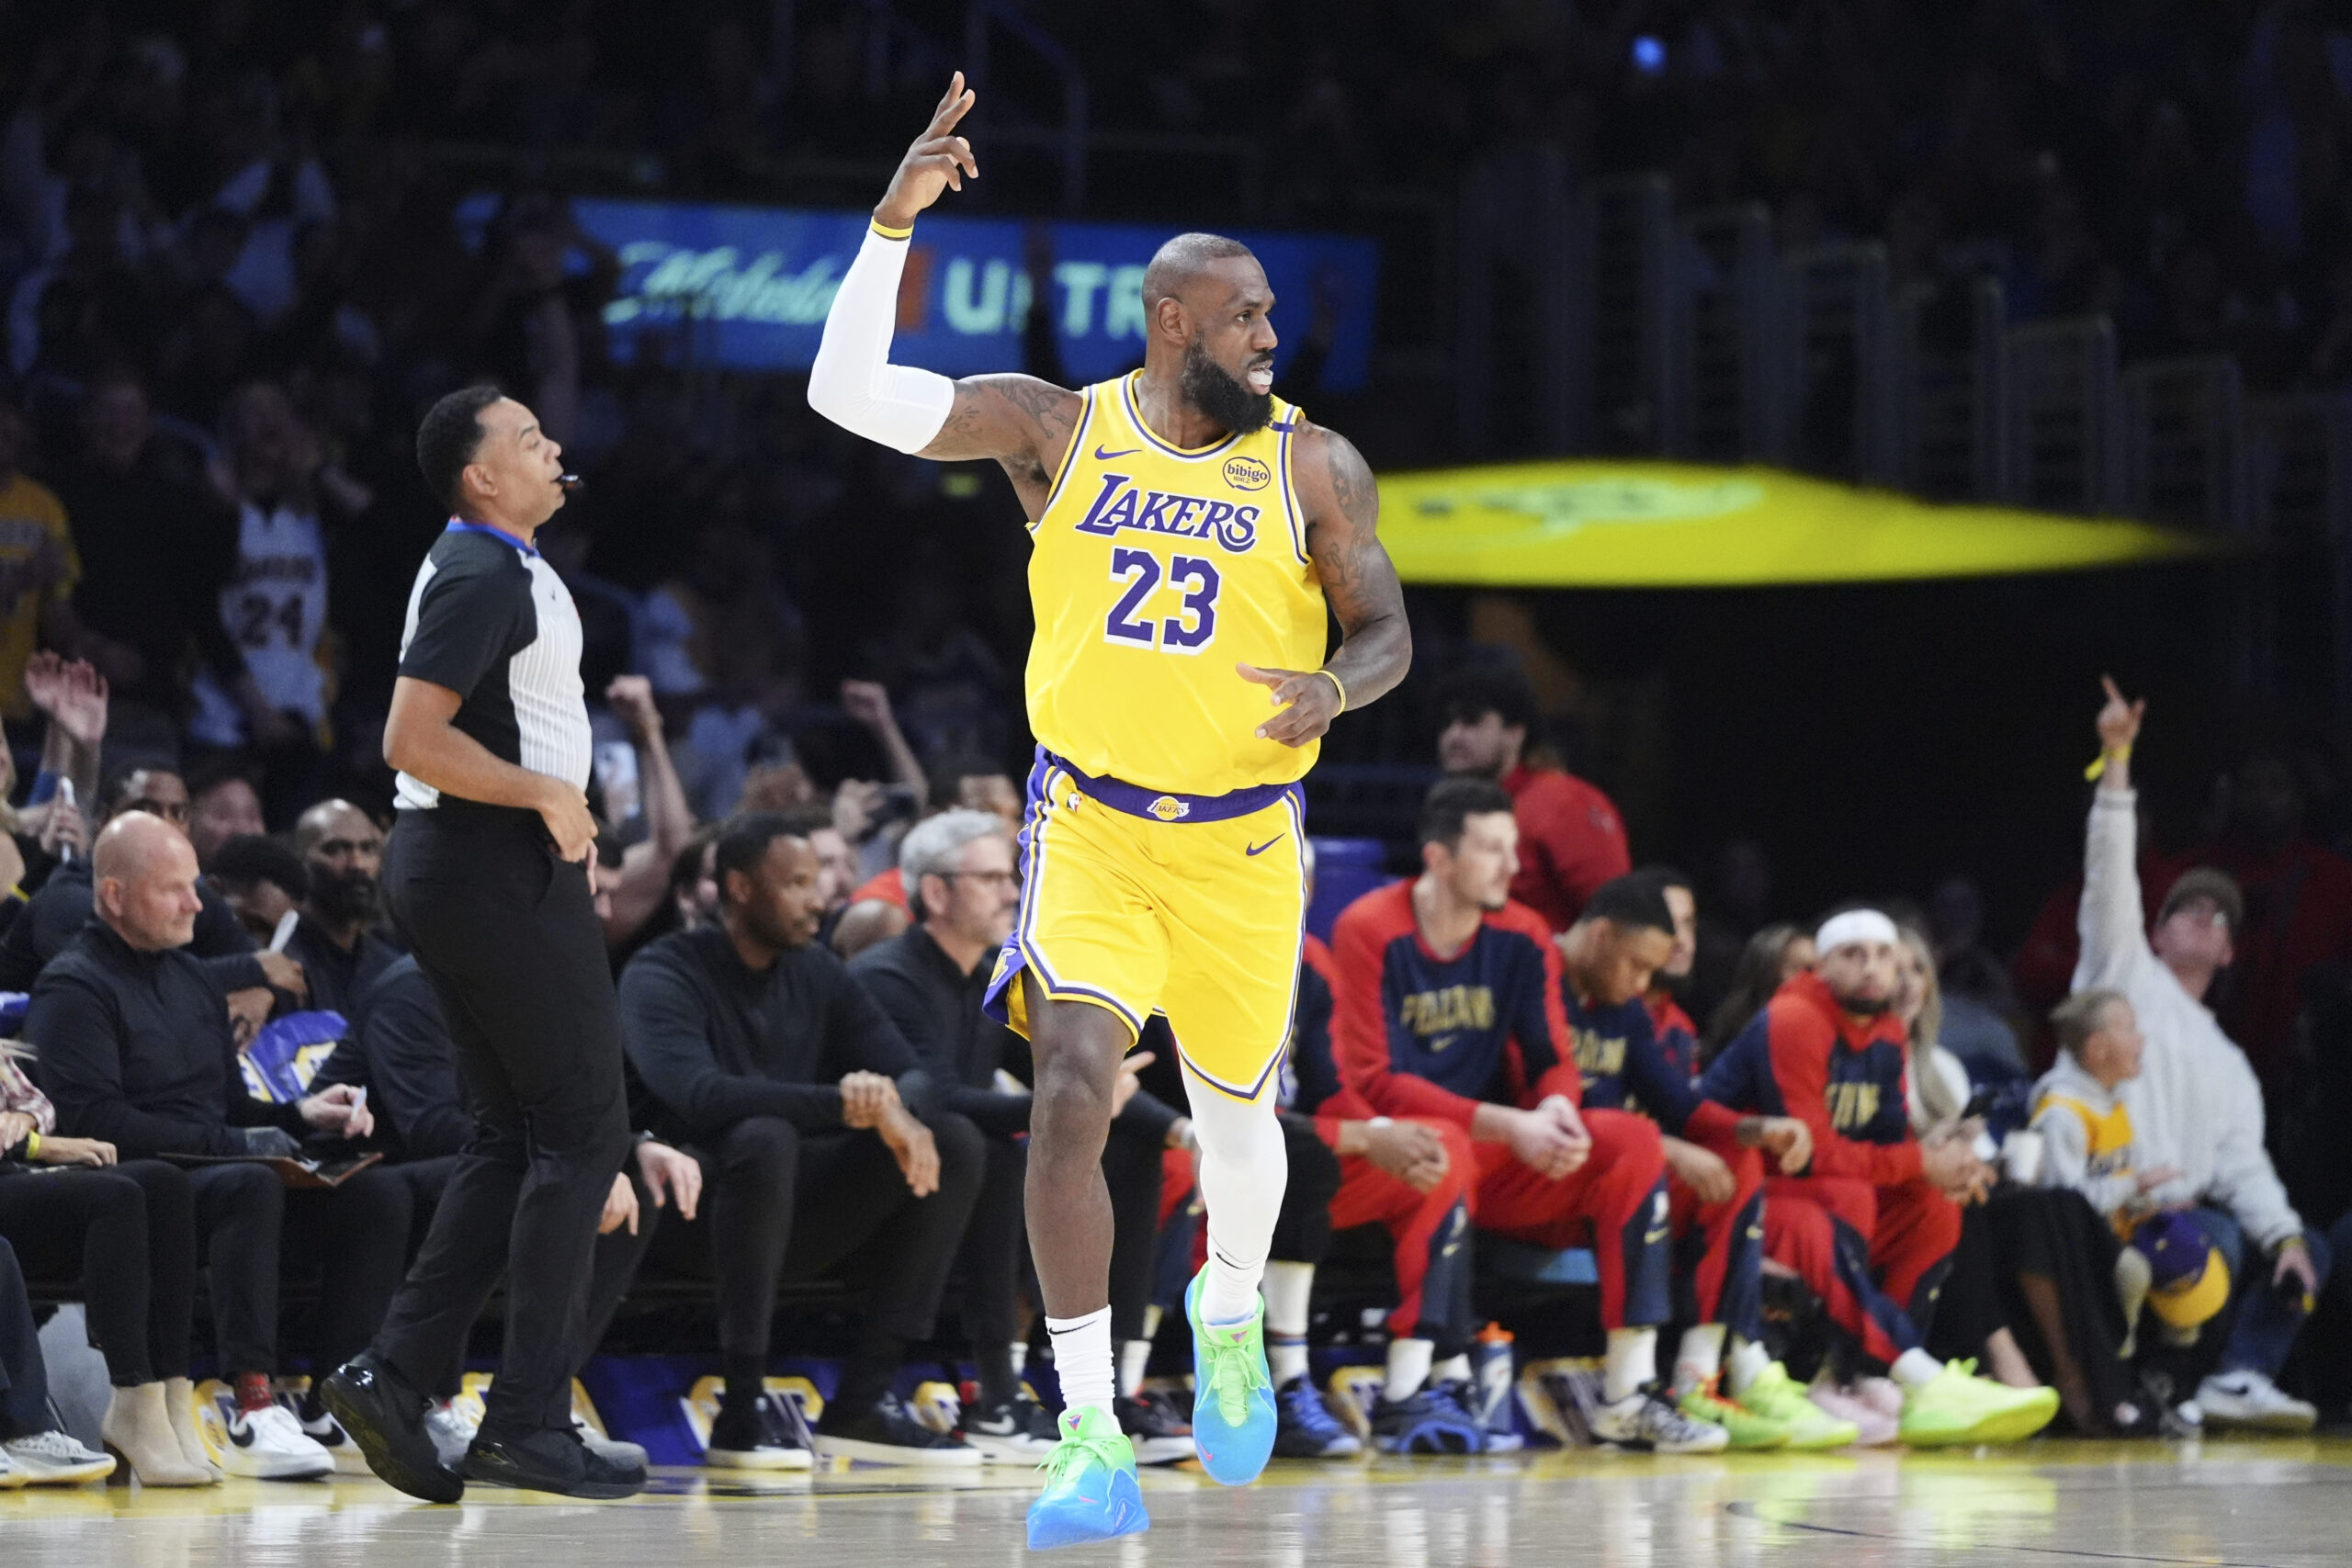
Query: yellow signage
{"type": "Point", "coordinates": [1598, 522]}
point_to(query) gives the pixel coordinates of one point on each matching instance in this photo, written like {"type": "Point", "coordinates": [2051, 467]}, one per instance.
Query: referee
{"type": "Point", "coordinates": [488, 875]}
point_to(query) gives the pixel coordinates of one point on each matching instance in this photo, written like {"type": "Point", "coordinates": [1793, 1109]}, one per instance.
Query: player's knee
{"type": "Point", "coordinates": [963, 1151]}
{"type": "Point", "coordinates": [760, 1146]}
{"type": "Point", "coordinates": [1626, 1150]}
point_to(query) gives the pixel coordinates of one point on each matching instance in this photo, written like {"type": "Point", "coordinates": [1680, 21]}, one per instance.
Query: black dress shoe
{"type": "Point", "coordinates": [386, 1417]}
{"type": "Point", "coordinates": [550, 1462]}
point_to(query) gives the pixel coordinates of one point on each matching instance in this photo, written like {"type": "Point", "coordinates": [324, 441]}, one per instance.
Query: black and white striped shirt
{"type": "Point", "coordinates": [489, 620]}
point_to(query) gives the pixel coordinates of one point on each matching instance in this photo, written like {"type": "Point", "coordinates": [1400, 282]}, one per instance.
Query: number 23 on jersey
{"type": "Point", "coordinates": [1131, 622]}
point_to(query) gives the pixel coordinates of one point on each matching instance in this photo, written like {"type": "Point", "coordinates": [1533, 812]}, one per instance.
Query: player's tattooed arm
{"type": "Point", "coordinates": [1342, 506]}
{"type": "Point", "coordinates": [1021, 421]}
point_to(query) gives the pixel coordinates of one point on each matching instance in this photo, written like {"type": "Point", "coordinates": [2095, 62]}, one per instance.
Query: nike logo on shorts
{"type": "Point", "coordinates": [1262, 849]}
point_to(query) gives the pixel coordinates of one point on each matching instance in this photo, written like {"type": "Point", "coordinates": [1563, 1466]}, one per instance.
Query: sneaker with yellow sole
{"type": "Point", "coordinates": [1775, 1396]}
{"type": "Point", "coordinates": [1751, 1431]}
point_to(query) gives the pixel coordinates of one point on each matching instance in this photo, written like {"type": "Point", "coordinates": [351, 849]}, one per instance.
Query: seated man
{"type": "Point", "coordinates": [1414, 1177]}
{"type": "Point", "coordinates": [820, 1144]}
{"type": "Point", "coordinates": [136, 1051]}
{"type": "Point", "coordinates": [400, 1048]}
{"type": "Point", "coordinates": [2196, 1107]}
{"type": "Point", "coordinates": [929, 979]}
{"type": "Point", "coordinates": [1448, 1009]}
{"type": "Point", "coordinates": [261, 880]}
{"type": "Point", "coordinates": [1714, 1172]}
{"type": "Point", "coordinates": [1871, 1223]}
{"type": "Point", "coordinates": [335, 939]}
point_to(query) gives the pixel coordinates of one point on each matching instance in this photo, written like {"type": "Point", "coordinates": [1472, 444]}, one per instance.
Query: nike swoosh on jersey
{"type": "Point", "coordinates": [1262, 849]}
{"type": "Point", "coordinates": [1102, 456]}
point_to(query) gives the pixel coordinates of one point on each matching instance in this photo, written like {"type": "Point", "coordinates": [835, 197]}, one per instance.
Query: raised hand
{"type": "Point", "coordinates": [631, 699]}
{"type": "Point", "coordinates": [2118, 721]}
{"type": "Point", "coordinates": [937, 160]}
{"type": "Point", "coordinates": [1309, 701]}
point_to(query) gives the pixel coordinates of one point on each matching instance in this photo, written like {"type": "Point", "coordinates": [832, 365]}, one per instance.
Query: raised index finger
{"type": "Point", "coordinates": [952, 107]}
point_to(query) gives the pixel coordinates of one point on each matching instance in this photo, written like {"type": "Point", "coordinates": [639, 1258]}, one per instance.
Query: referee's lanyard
{"type": "Point", "coordinates": [459, 526]}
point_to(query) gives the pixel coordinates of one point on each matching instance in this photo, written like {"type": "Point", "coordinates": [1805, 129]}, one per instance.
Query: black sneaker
{"type": "Point", "coordinates": [755, 1434]}
{"type": "Point", "coordinates": [1156, 1428]}
{"type": "Point", "coordinates": [1425, 1422]}
{"type": "Point", "coordinates": [888, 1435]}
{"type": "Point", "coordinates": [386, 1418]}
{"type": "Point", "coordinates": [1016, 1429]}
{"type": "Point", "coordinates": [554, 1461]}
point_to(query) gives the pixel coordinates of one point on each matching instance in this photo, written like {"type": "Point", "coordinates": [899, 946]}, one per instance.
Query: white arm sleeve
{"type": "Point", "coordinates": [853, 382]}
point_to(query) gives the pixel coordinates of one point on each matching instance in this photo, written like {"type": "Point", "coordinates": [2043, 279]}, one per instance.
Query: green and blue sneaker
{"type": "Point", "coordinates": [1091, 1493]}
{"type": "Point", "coordinates": [1234, 1419]}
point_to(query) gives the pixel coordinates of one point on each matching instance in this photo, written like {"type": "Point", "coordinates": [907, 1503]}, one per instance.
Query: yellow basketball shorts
{"type": "Point", "coordinates": [1142, 902]}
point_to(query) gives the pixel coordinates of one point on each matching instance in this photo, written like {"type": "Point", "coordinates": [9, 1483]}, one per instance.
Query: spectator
{"type": "Point", "coordinates": [335, 939]}
{"type": "Point", "coordinates": [33, 1451]}
{"type": "Point", "coordinates": [155, 551]}
{"type": "Point", "coordinates": [2044, 965]}
{"type": "Point", "coordinates": [637, 890]}
{"type": "Point", "coordinates": [127, 1233]}
{"type": "Point", "coordinates": [1677, 1036]}
{"type": "Point", "coordinates": [968, 783]}
{"type": "Point", "coordinates": [223, 804]}
{"type": "Point", "coordinates": [261, 880]}
{"type": "Point", "coordinates": [930, 980]}
{"type": "Point", "coordinates": [1573, 839]}
{"type": "Point", "coordinates": [136, 1051]}
{"type": "Point", "coordinates": [2196, 1107]}
{"type": "Point", "coordinates": [1448, 1008]}
{"type": "Point", "coordinates": [774, 1067]}
{"type": "Point", "coordinates": [1871, 1223]}
{"type": "Point", "coordinates": [1714, 1182]}
{"type": "Point", "coordinates": [1776, 954]}
{"type": "Point", "coordinates": [37, 566]}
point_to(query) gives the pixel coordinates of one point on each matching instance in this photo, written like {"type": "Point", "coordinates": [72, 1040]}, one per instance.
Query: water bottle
{"type": "Point", "coordinates": [1491, 1365]}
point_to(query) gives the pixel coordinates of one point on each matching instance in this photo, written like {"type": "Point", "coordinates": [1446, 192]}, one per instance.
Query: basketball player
{"type": "Point", "coordinates": [1191, 531]}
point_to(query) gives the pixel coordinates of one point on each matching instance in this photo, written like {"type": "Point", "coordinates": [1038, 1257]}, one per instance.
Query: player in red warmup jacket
{"type": "Point", "coordinates": [1871, 1223]}
{"type": "Point", "coordinates": [1448, 1008]}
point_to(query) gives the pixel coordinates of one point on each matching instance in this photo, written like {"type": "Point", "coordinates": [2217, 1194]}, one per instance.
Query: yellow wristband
{"type": "Point", "coordinates": [2098, 769]}
{"type": "Point", "coordinates": [890, 234]}
{"type": "Point", "coordinates": [1336, 687]}
{"type": "Point", "coordinates": [33, 1146]}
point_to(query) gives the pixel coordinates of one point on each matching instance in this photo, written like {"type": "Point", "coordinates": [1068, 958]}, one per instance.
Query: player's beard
{"type": "Point", "coordinates": [1229, 401]}
{"type": "Point", "coordinates": [345, 895]}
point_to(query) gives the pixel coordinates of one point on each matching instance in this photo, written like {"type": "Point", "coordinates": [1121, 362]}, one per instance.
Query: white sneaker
{"type": "Point", "coordinates": [325, 1431]}
{"type": "Point", "coordinates": [612, 1450]}
{"type": "Point", "coordinates": [452, 1430]}
{"type": "Point", "coordinates": [2250, 1399]}
{"type": "Point", "coordinates": [1647, 1420]}
{"type": "Point", "coordinates": [268, 1444]}
{"type": "Point", "coordinates": [51, 1459]}
{"type": "Point", "coordinates": [10, 1476]}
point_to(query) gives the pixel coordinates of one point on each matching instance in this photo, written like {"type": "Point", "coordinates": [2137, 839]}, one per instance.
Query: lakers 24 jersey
{"type": "Point", "coordinates": [1156, 571]}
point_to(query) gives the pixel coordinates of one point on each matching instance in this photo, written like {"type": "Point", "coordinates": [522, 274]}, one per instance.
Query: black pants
{"type": "Point", "coordinates": [353, 1239]}
{"type": "Point", "coordinates": [24, 1379]}
{"type": "Point", "coordinates": [1303, 1229]}
{"type": "Point", "coordinates": [619, 1256]}
{"type": "Point", "coordinates": [508, 935]}
{"type": "Point", "coordinates": [128, 1235]}
{"type": "Point", "coordinates": [996, 1241]}
{"type": "Point", "coordinates": [2053, 1233]}
{"type": "Point", "coordinates": [779, 1202]}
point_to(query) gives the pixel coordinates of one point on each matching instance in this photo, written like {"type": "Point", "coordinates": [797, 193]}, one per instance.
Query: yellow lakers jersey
{"type": "Point", "coordinates": [1156, 571]}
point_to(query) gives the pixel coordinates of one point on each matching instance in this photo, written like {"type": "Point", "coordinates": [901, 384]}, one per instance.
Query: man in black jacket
{"type": "Point", "coordinates": [929, 979]}
{"type": "Point", "coordinates": [822, 1147]}
{"type": "Point", "coordinates": [135, 1050]}
{"type": "Point", "coordinates": [57, 914]}
{"type": "Point", "coordinates": [335, 939]}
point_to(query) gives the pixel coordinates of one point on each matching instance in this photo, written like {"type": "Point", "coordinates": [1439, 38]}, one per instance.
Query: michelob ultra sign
{"type": "Point", "coordinates": [748, 287]}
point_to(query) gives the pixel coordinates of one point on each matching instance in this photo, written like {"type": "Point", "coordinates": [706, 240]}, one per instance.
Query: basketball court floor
{"type": "Point", "coordinates": [2220, 1504]}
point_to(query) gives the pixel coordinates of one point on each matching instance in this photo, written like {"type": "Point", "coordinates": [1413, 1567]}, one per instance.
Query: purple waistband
{"type": "Point", "coordinates": [1161, 805]}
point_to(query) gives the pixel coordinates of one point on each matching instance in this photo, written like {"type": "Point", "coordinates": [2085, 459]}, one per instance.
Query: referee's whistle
{"type": "Point", "coordinates": [570, 482]}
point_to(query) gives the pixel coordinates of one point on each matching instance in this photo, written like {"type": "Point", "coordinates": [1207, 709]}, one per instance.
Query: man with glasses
{"type": "Point", "coordinates": [59, 911]}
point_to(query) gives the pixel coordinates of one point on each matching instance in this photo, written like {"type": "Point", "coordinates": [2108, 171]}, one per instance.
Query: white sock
{"type": "Point", "coordinates": [1134, 1356]}
{"type": "Point", "coordinates": [1748, 1361]}
{"type": "Point", "coordinates": [1408, 1367]}
{"type": "Point", "coordinates": [1916, 1369]}
{"type": "Point", "coordinates": [1287, 1288]}
{"type": "Point", "coordinates": [1082, 1359]}
{"type": "Point", "coordinates": [1453, 1369]}
{"type": "Point", "coordinates": [1285, 1360]}
{"type": "Point", "coordinates": [1701, 1358]}
{"type": "Point", "coordinates": [1632, 1363]}
{"type": "Point", "coordinates": [1019, 1357]}
{"type": "Point", "coordinates": [1153, 1316]}
{"type": "Point", "coordinates": [1243, 1168]}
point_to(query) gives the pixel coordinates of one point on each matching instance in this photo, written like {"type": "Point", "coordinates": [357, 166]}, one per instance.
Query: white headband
{"type": "Point", "coordinates": [1853, 925]}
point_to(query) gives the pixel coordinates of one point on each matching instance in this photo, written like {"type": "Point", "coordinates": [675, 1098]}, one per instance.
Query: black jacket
{"type": "Point", "coordinates": [134, 1048]}
{"type": "Point", "coordinates": [716, 1041]}
{"type": "Point", "coordinates": [44, 927]}
{"type": "Point", "coordinates": [337, 979]}
{"type": "Point", "coordinates": [401, 1049]}
{"type": "Point", "coordinates": [937, 1008]}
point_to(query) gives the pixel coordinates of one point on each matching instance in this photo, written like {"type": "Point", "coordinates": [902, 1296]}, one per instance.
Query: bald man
{"type": "Point", "coordinates": [335, 938]}
{"type": "Point", "coordinates": [136, 1050]}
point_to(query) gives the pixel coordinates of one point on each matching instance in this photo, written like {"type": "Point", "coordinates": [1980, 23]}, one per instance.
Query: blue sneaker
{"type": "Point", "coordinates": [1304, 1428]}
{"type": "Point", "coordinates": [1431, 1420]}
{"type": "Point", "coordinates": [1091, 1493]}
{"type": "Point", "coordinates": [1233, 1393]}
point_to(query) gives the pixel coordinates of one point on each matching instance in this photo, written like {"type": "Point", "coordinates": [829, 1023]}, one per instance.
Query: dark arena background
{"type": "Point", "coordinates": [1785, 413]}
